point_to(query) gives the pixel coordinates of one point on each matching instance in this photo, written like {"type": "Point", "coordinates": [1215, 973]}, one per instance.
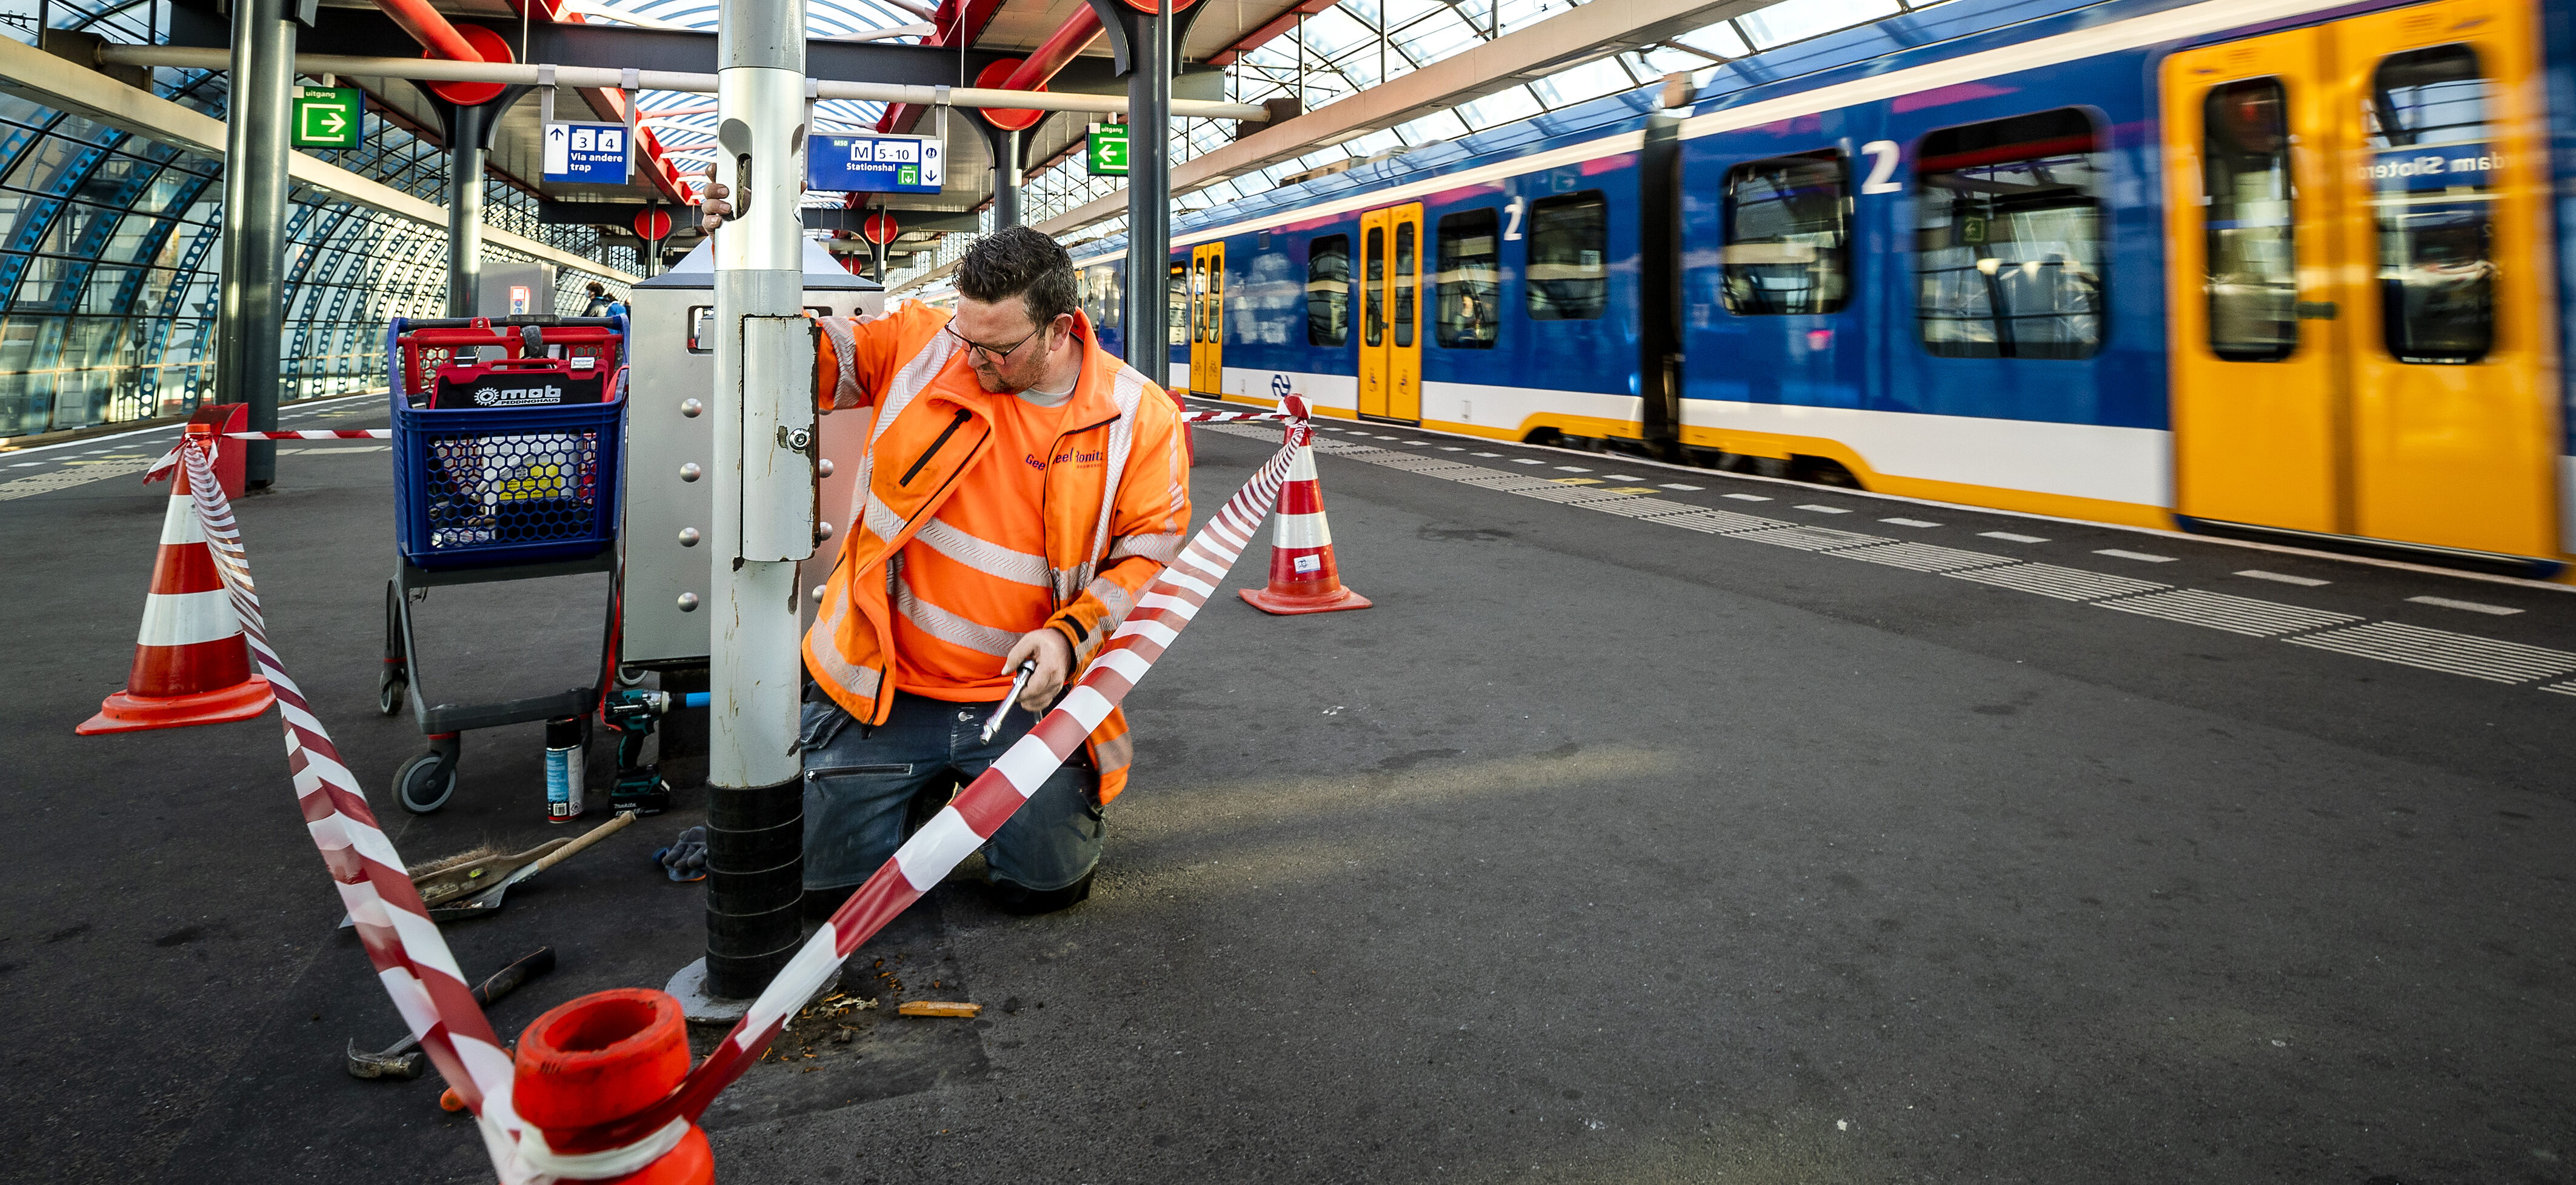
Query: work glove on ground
{"type": "Point", "coordinates": [686, 858]}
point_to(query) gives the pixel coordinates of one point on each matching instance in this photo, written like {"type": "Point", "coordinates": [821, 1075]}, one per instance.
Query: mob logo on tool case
{"type": "Point", "coordinates": [520, 382]}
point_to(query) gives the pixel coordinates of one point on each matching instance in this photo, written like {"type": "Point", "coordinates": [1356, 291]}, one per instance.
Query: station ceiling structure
{"type": "Point", "coordinates": [107, 281]}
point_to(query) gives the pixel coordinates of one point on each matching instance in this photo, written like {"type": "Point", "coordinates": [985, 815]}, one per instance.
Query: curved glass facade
{"type": "Point", "coordinates": [110, 244]}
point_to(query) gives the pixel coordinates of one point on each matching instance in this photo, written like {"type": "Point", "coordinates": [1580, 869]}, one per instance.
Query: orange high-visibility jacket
{"type": "Point", "coordinates": [1109, 528]}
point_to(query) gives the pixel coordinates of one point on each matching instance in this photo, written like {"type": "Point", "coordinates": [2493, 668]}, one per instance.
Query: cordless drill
{"type": "Point", "coordinates": [633, 713]}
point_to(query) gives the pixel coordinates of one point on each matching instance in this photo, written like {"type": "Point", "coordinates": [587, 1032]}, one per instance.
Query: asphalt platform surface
{"type": "Point", "coordinates": [1605, 848]}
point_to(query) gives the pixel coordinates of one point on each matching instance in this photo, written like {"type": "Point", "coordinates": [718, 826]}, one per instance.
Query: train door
{"type": "Point", "coordinates": [1391, 313]}
{"type": "Point", "coordinates": [1207, 319]}
{"type": "Point", "coordinates": [2359, 281]}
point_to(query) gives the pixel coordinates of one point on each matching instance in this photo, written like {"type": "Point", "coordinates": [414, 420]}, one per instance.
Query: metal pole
{"type": "Point", "coordinates": [1149, 193]}
{"type": "Point", "coordinates": [764, 497]}
{"type": "Point", "coordinates": [250, 324]}
{"type": "Point", "coordinates": [468, 135]}
{"type": "Point", "coordinates": [1006, 175]}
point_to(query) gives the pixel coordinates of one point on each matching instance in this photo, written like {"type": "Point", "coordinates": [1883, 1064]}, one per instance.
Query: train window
{"type": "Point", "coordinates": [2432, 173]}
{"type": "Point", "coordinates": [1328, 291]}
{"type": "Point", "coordinates": [2009, 249]}
{"type": "Point", "coordinates": [1104, 299]}
{"type": "Point", "coordinates": [1569, 257]}
{"type": "Point", "coordinates": [1373, 291]}
{"type": "Point", "coordinates": [1198, 299]}
{"type": "Point", "coordinates": [1216, 298]}
{"type": "Point", "coordinates": [1466, 282]}
{"type": "Point", "coordinates": [1179, 323]}
{"type": "Point", "coordinates": [1407, 252]}
{"type": "Point", "coordinates": [2252, 278]}
{"type": "Point", "coordinates": [1787, 222]}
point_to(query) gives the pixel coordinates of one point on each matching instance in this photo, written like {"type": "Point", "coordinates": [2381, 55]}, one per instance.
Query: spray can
{"type": "Point", "coordinates": [563, 769]}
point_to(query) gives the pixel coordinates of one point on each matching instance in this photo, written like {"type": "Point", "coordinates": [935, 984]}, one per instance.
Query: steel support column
{"type": "Point", "coordinates": [764, 495]}
{"type": "Point", "coordinates": [250, 329]}
{"type": "Point", "coordinates": [1149, 189]}
{"type": "Point", "coordinates": [1005, 146]}
{"type": "Point", "coordinates": [469, 143]}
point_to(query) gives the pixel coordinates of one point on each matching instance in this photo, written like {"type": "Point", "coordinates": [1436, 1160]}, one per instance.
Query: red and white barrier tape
{"type": "Point", "coordinates": [170, 460]}
{"type": "Point", "coordinates": [964, 824]}
{"type": "Point", "coordinates": [1228, 417]}
{"type": "Point", "coordinates": [411, 959]}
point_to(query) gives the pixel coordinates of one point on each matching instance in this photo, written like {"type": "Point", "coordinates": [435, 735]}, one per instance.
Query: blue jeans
{"type": "Point", "coordinates": [860, 785]}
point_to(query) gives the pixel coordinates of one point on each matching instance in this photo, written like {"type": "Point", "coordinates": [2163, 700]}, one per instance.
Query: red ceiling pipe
{"type": "Point", "coordinates": [1069, 40]}
{"type": "Point", "coordinates": [430, 29]}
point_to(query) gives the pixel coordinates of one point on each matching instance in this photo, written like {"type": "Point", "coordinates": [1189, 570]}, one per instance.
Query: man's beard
{"type": "Point", "coordinates": [995, 384]}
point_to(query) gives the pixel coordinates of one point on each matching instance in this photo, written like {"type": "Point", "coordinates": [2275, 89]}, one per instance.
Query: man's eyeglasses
{"type": "Point", "coordinates": [991, 353]}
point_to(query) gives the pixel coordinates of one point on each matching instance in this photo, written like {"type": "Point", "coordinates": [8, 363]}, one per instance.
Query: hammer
{"type": "Point", "coordinates": [403, 1059]}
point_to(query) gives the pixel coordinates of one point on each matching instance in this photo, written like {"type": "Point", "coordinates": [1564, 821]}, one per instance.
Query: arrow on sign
{"type": "Point", "coordinates": [332, 121]}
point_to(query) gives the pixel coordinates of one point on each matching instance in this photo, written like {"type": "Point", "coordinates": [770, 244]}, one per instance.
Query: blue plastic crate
{"type": "Point", "coordinates": [486, 487]}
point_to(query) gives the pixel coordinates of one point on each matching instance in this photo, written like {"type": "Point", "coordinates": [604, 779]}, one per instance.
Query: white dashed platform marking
{"type": "Point", "coordinates": [2442, 650]}
{"type": "Point", "coordinates": [2284, 578]}
{"type": "Point", "coordinates": [2236, 615]}
{"type": "Point", "coordinates": [2065, 584]}
{"type": "Point", "coordinates": [2469, 606]}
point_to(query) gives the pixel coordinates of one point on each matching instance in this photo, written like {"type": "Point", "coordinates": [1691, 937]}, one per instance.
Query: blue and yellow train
{"type": "Point", "coordinates": [2285, 269]}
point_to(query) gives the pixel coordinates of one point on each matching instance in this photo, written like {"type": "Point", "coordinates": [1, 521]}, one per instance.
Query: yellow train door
{"type": "Point", "coordinates": [1404, 313]}
{"type": "Point", "coordinates": [1207, 354]}
{"type": "Point", "coordinates": [2359, 283]}
{"type": "Point", "coordinates": [1374, 383]}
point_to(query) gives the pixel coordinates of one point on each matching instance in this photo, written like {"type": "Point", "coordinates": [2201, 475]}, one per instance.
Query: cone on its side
{"type": "Point", "coordinates": [1303, 576]}
{"type": "Point", "coordinates": [191, 663]}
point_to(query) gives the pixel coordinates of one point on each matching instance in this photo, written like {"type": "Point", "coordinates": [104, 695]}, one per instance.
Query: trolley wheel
{"type": "Point", "coordinates": [426, 783]}
{"type": "Point", "coordinates": [390, 687]}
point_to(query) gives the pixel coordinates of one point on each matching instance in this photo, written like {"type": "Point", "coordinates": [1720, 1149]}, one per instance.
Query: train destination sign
{"type": "Point", "coordinates": [2440, 167]}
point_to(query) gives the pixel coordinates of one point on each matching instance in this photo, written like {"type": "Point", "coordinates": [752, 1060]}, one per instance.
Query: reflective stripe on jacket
{"type": "Point", "coordinates": [1109, 528]}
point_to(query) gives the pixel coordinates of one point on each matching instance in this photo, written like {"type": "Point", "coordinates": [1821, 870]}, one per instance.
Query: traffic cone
{"type": "Point", "coordinates": [191, 664]}
{"type": "Point", "coordinates": [1303, 576]}
{"type": "Point", "coordinates": [601, 1058]}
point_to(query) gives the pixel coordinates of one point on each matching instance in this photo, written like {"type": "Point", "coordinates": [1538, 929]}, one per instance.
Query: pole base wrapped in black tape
{"type": "Point", "coordinates": [755, 879]}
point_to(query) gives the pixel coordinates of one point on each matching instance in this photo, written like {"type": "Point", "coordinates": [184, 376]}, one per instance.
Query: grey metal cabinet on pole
{"type": "Point", "coordinates": [250, 328]}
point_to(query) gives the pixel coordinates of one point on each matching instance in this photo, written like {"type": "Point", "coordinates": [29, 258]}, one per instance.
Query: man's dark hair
{"type": "Point", "coordinates": [1020, 262]}
{"type": "Point", "coordinates": [597, 288]}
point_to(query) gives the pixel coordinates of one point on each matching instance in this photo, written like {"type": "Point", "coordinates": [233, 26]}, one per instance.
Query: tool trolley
{"type": "Point", "coordinates": [506, 439]}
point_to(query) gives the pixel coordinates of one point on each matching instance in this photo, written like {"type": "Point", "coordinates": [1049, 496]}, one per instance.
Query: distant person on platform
{"type": "Point", "coordinates": [599, 301]}
{"type": "Point", "coordinates": [1027, 489]}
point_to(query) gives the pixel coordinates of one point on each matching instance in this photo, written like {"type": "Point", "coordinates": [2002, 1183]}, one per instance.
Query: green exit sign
{"type": "Point", "coordinates": [328, 116]}
{"type": "Point", "coordinates": [1107, 156]}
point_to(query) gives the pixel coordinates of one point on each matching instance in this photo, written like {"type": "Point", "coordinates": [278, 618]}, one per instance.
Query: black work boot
{"type": "Point", "coordinates": [1021, 901]}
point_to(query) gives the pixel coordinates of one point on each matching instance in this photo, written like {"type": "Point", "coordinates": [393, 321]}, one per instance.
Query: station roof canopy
{"type": "Point", "coordinates": [1332, 65]}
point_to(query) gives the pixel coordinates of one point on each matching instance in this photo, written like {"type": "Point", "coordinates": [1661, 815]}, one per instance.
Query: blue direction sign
{"type": "Point", "coordinates": [586, 153]}
{"type": "Point", "coordinates": [875, 164]}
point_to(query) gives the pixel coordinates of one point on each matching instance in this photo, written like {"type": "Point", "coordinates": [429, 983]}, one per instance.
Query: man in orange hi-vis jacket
{"type": "Point", "coordinates": [1021, 488]}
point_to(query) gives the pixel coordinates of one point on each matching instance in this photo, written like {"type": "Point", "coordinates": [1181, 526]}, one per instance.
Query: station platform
{"type": "Point", "coordinates": [1655, 825]}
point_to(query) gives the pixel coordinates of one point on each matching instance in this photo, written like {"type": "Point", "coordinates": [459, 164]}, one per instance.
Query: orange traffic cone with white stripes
{"type": "Point", "coordinates": [1303, 576]}
{"type": "Point", "coordinates": [191, 663]}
